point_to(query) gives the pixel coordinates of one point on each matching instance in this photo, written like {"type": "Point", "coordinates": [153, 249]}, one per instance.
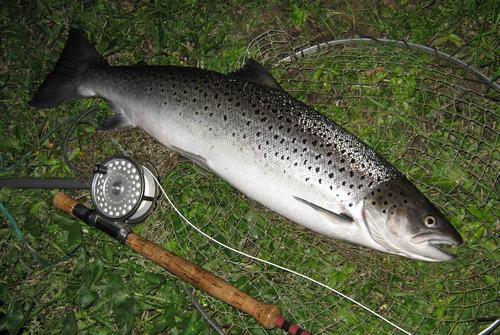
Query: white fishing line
{"type": "Point", "coordinates": [276, 265]}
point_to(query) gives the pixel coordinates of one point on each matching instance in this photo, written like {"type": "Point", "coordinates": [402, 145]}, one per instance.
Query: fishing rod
{"type": "Point", "coordinates": [268, 315]}
{"type": "Point", "coordinates": [125, 192]}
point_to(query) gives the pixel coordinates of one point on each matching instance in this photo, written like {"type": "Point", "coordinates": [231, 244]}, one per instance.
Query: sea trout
{"type": "Point", "coordinates": [245, 128]}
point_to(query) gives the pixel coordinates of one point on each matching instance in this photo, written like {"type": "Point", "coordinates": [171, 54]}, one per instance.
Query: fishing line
{"type": "Point", "coordinates": [276, 265]}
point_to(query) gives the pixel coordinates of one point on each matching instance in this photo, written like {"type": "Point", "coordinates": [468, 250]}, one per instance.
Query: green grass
{"type": "Point", "coordinates": [95, 286]}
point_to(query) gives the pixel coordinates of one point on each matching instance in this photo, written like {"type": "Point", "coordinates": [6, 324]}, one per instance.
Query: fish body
{"type": "Point", "coordinates": [275, 149]}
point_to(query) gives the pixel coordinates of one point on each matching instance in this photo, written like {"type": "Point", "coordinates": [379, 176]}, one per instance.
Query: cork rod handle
{"type": "Point", "coordinates": [65, 203]}
{"type": "Point", "coordinates": [265, 314]}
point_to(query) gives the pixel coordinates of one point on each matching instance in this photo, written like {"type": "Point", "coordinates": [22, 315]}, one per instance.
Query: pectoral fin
{"type": "Point", "coordinates": [341, 217]}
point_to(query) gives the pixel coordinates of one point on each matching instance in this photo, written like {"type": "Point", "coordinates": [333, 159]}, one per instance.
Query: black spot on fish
{"type": "Point", "coordinates": [225, 117]}
{"type": "Point", "coordinates": [341, 169]}
{"type": "Point", "coordinates": [317, 169]}
{"type": "Point", "coordinates": [319, 180]}
{"type": "Point", "coordinates": [263, 119]}
{"type": "Point", "coordinates": [351, 174]}
{"type": "Point", "coordinates": [258, 134]}
{"type": "Point", "coordinates": [343, 183]}
{"type": "Point", "coordinates": [238, 104]}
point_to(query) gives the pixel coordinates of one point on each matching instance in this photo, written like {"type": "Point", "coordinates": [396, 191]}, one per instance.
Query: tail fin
{"type": "Point", "coordinates": [62, 83]}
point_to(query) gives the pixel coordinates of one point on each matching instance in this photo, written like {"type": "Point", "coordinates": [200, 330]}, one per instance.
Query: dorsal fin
{"type": "Point", "coordinates": [255, 73]}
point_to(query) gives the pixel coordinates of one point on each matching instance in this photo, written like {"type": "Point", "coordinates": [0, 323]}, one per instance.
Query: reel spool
{"type": "Point", "coordinates": [124, 190]}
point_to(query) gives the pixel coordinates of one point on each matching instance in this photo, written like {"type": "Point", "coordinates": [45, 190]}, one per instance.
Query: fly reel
{"type": "Point", "coordinates": [124, 190]}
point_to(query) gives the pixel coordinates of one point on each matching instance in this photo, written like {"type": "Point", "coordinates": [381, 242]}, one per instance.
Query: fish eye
{"type": "Point", "coordinates": [430, 221]}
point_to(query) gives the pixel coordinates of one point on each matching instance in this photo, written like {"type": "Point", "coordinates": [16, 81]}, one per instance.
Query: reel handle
{"type": "Point", "coordinates": [267, 315]}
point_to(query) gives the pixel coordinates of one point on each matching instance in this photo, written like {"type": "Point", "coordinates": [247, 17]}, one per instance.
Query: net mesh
{"type": "Point", "coordinates": [435, 120]}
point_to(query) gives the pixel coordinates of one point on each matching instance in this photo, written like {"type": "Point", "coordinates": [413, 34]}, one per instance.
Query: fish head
{"type": "Point", "coordinates": [404, 222]}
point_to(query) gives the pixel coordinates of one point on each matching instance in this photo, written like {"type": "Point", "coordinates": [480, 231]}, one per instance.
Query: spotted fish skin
{"type": "Point", "coordinates": [249, 131]}
{"type": "Point", "coordinates": [268, 124]}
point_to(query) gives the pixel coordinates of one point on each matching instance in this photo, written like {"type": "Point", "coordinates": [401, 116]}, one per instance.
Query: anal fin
{"type": "Point", "coordinates": [192, 157]}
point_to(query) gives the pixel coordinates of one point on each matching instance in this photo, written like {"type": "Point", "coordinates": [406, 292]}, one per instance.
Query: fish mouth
{"type": "Point", "coordinates": [440, 246]}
